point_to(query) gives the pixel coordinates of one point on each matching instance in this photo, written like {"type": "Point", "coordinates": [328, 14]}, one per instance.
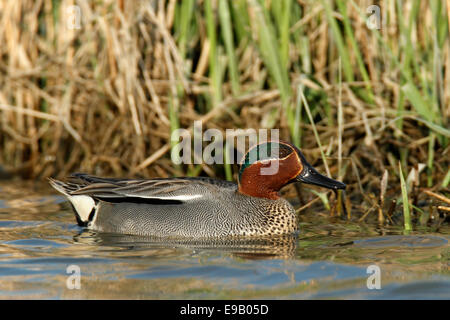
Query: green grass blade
{"type": "Point", "coordinates": [406, 209]}
{"type": "Point", "coordinates": [227, 34]}
{"type": "Point", "coordinates": [430, 162]}
{"type": "Point", "coordinates": [270, 52]}
{"type": "Point", "coordinates": [214, 71]}
{"type": "Point", "coordinates": [342, 48]}
{"type": "Point", "coordinates": [446, 180]}
{"type": "Point", "coordinates": [227, 165]}
{"type": "Point", "coordinates": [418, 102]}
{"type": "Point", "coordinates": [323, 197]}
{"type": "Point", "coordinates": [241, 24]}
{"type": "Point", "coordinates": [186, 14]}
{"type": "Point", "coordinates": [351, 37]}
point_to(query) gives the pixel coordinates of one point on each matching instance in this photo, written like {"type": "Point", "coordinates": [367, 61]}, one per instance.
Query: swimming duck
{"type": "Point", "coordinates": [198, 207]}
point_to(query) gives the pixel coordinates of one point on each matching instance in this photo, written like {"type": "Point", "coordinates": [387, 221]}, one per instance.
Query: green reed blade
{"type": "Point", "coordinates": [186, 15]}
{"type": "Point", "coordinates": [227, 34]}
{"type": "Point", "coordinates": [214, 72]}
{"type": "Point", "coordinates": [342, 48]}
{"type": "Point", "coordinates": [351, 37]}
{"type": "Point", "coordinates": [446, 180]}
{"type": "Point", "coordinates": [270, 53]}
{"type": "Point", "coordinates": [406, 209]}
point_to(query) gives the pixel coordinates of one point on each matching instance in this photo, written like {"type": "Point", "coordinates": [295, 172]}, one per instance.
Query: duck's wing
{"type": "Point", "coordinates": [84, 192]}
{"type": "Point", "coordinates": [174, 190]}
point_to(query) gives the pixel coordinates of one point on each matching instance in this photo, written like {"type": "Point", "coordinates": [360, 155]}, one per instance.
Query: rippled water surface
{"type": "Point", "coordinates": [329, 259]}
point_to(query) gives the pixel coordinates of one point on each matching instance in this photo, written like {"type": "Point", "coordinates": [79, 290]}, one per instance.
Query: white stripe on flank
{"type": "Point", "coordinates": [83, 206]}
{"type": "Point", "coordinates": [181, 198]}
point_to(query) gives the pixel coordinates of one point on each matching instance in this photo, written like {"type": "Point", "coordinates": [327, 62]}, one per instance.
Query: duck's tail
{"type": "Point", "coordinates": [84, 206]}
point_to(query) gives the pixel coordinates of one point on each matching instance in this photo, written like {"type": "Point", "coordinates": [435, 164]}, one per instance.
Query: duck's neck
{"type": "Point", "coordinates": [259, 190]}
{"type": "Point", "coordinates": [255, 184]}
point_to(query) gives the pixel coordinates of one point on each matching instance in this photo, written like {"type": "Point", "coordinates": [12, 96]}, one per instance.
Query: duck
{"type": "Point", "coordinates": [198, 207]}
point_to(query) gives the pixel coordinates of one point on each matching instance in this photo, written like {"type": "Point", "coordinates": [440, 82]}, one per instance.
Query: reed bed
{"type": "Point", "coordinates": [100, 86]}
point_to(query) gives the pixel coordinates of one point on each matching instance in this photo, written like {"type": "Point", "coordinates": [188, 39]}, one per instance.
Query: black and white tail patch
{"type": "Point", "coordinates": [85, 207]}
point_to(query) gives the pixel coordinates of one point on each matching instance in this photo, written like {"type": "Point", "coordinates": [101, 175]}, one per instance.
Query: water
{"type": "Point", "coordinates": [39, 240]}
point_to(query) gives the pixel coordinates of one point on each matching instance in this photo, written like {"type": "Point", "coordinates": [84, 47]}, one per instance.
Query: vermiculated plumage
{"type": "Point", "coordinates": [156, 207]}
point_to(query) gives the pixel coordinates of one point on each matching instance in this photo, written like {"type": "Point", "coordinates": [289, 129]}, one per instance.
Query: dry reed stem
{"type": "Point", "coordinates": [97, 98]}
{"type": "Point", "coordinates": [437, 196]}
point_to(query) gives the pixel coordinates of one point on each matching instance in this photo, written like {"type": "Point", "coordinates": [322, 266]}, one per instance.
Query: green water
{"type": "Point", "coordinates": [39, 240]}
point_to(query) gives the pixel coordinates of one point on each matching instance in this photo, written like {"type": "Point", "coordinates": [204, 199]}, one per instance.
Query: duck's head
{"type": "Point", "coordinates": [269, 166]}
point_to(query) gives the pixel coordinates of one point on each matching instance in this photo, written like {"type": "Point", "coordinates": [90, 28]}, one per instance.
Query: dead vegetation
{"type": "Point", "coordinates": [102, 94]}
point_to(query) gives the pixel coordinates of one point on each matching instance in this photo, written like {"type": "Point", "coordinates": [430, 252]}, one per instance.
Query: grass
{"type": "Point", "coordinates": [106, 98]}
{"type": "Point", "coordinates": [405, 201]}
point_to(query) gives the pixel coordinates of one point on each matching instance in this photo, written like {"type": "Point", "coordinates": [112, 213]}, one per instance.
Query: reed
{"type": "Point", "coordinates": [102, 92]}
{"type": "Point", "coordinates": [405, 201]}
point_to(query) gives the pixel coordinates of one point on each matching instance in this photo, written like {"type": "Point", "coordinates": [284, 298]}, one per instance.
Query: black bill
{"type": "Point", "coordinates": [309, 175]}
